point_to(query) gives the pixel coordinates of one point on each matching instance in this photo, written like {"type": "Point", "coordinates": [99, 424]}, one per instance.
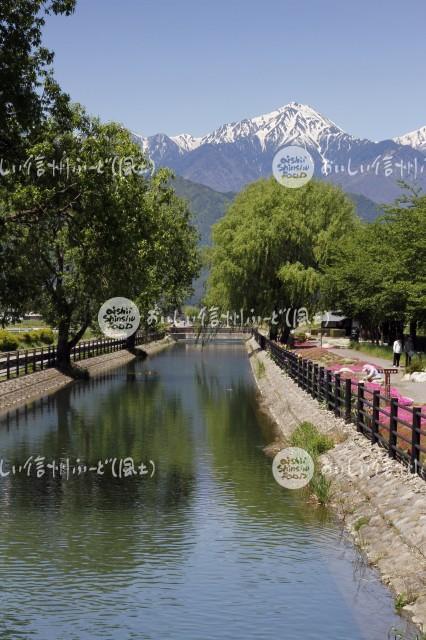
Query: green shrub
{"type": "Point", "coordinates": [37, 337]}
{"type": "Point", "coordinates": [46, 336]}
{"type": "Point", "coordinates": [306, 436]}
{"type": "Point", "coordinates": [417, 364]}
{"type": "Point", "coordinates": [8, 341]}
{"type": "Point", "coordinates": [300, 337]}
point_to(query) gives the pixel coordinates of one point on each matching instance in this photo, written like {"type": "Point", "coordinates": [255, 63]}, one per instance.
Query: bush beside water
{"type": "Point", "coordinates": [37, 338]}
{"type": "Point", "coordinates": [306, 436]}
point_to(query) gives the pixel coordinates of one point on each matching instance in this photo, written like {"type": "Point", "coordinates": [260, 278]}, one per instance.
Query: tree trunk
{"type": "Point", "coordinates": [413, 332]}
{"type": "Point", "coordinates": [63, 351]}
{"type": "Point", "coordinates": [285, 333]}
{"type": "Point", "coordinates": [273, 332]}
{"type": "Point", "coordinates": [66, 344]}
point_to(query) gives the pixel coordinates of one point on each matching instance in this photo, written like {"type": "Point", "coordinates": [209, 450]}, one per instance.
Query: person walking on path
{"type": "Point", "coordinates": [397, 348]}
{"type": "Point", "coordinates": [408, 350]}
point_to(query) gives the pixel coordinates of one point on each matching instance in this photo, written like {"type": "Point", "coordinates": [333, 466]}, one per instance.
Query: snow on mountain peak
{"type": "Point", "coordinates": [415, 139]}
{"type": "Point", "coordinates": [293, 122]}
{"type": "Point", "coordinates": [186, 142]}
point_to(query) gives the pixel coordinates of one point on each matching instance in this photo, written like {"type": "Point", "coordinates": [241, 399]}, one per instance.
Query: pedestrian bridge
{"type": "Point", "coordinates": [204, 335]}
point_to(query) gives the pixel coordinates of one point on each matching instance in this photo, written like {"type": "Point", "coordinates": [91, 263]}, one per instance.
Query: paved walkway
{"type": "Point", "coordinates": [415, 390]}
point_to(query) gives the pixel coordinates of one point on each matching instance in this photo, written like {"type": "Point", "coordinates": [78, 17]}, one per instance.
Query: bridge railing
{"type": "Point", "coordinates": [207, 329]}
{"type": "Point", "coordinates": [400, 429]}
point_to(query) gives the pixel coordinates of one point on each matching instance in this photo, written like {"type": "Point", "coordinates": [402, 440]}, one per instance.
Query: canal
{"type": "Point", "coordinates": [209, 547]}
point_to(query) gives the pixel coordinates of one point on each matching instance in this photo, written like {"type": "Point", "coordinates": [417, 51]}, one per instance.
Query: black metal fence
{"type": "Point", "coordinates": [400, 429]}
{"type": "Point", "coordinates": [209, 329]}
{"type": "Point", "coordinates": [14, 364]}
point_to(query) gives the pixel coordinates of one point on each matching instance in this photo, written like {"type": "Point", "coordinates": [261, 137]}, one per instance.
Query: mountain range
{"type": "Point", "coordinates": [237, 153]}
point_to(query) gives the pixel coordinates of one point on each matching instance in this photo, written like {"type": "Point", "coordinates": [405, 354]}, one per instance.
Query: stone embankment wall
{"type": "Point", "coordinates": [18, 391]}
{"type": "Point", "coordinates": [380, 503]}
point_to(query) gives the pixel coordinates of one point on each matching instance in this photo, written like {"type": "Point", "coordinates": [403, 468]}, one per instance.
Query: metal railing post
{"type": "Point", "coordinates": [348, 399]}
{"type": "Point", "coordinates": [415, 439]}
{"type": "Point", "coordinates": [375, 417]}
{"type": "Point", "coordinates": [393, 427]}
{"type": "Point", "coordinates": [360, 406]}
{"type": "Point", "coordinates": [337, 394]}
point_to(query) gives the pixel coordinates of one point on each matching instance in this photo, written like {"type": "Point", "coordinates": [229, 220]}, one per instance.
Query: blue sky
{"type": "Point", "coordinates": [188, 66]}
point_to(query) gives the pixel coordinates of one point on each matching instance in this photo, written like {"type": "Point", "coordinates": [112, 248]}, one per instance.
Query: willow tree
{"type": "Point", "coordinates": [271, 247]}
{"type": "Point", "coordinates": [94, 227]}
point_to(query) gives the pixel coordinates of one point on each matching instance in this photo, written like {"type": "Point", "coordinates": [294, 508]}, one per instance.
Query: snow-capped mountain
{"type": "Point", "coordinates": [240, 152]}
{"type": "Point", "coordinates": [186, 142]}
{"type": "Point", "coordinates": [415, 139]}
{"type": "Point", "coordinates": [292, 123]}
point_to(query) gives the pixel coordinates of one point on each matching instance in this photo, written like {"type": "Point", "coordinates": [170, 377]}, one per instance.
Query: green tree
{"type": "Point", "coordinates": [272, 246]}
{"type": "Point", "coordinates": [96, 228]}
{"type": "Point", "coordinates": [403, 227]}
{"type": "Point", "coordinates": [378, 274]}
{"type": "Point", "coordinates": [29, 92]}
{"type": "Point", "coordinates": [28, 96]}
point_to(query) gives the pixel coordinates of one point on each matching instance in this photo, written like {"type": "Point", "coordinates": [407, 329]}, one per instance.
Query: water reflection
{"type": "Point", "coordinates": [210, 547]}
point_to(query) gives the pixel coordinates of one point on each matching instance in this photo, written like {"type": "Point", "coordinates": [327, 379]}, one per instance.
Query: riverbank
{"type": "Point", "coordinates": [379, 502]}
{"type": "Point", "coordinates": [16, 392]}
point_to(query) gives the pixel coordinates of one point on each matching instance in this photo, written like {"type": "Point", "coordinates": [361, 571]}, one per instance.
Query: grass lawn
{"type": "Point", "coordinates": [28, 325]}
{"type": "Point", "coordinates": [380, 351]}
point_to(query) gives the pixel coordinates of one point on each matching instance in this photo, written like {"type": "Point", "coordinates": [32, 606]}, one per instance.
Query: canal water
{"type": "Point", "coordinates": [203, 546]}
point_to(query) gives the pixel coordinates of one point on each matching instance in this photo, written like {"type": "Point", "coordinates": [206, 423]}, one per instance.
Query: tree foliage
{"type": "Point", "coordinates": [29, 92]}
{"type": "Point", "coordinates": [79, 224]}
{"type": "Point", "coordinates": [272, 246]}
{"type": "Point", "coordinates": [89, 232]}
{"type": "Point", "coordinates": [378, 274]}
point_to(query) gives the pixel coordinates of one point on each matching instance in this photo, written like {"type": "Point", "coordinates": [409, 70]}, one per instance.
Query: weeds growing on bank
{"type": "Point", "coordinates": [260, 368]}
{"type": "Point", "coordinates": [306, 436]}
{"type": "Point", "coordinates": [361, 522]}
{"type": "Point", "coordinates": [401, 600]}
{"type": "Point", "coordinates": [320, 487]}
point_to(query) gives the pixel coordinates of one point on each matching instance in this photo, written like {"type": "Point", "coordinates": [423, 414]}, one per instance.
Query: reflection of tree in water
{"type": "Point", "coordinates": [237, 431]}
{"type": "Point", "coordinates": [109, 522]}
